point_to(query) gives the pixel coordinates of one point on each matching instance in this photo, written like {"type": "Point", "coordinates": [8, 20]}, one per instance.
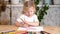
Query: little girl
{"type": "Point", "coordinates": [28, 18]}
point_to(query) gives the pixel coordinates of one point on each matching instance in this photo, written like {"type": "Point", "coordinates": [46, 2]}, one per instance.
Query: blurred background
{"type": "Point", "coordinates": [10, 10]}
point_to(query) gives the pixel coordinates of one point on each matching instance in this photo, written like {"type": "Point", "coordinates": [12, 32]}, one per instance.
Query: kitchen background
{"type": "Point", "coordinates": [14, 9]}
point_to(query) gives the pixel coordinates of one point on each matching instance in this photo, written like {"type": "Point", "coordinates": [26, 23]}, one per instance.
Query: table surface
{"type": "Point", "coordinates": [50, 29]}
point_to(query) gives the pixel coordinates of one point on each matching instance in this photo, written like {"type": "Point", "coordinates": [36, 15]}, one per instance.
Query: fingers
{"type": "Point", "coordinates": [22, 19]}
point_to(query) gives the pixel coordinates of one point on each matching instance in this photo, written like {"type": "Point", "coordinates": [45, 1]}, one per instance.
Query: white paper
{"type": "Point", "coordinates": [32, 29]}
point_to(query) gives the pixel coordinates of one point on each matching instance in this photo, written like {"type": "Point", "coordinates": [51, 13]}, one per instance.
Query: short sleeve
{"type": "Point", "coordinates": [35, 18]}
{"type": "Point", "coordinates": [19, 20]}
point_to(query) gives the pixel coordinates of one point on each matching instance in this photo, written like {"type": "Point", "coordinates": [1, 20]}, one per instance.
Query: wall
{"type": "Point", "coordinates": [53, 16]}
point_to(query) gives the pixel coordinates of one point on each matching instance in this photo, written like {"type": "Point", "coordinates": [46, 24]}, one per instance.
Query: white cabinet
{"type": "Point", "coordinates": [14, 1]}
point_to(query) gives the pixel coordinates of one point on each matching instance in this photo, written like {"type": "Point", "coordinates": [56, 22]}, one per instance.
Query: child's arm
{"type": "Point", "coordinates": [18, 24]}
{"type": "Point", "coordinates": [29, 23]}
{"type": "Point", "coordinates": [32, 24]}
{"type": "Point", "coordinates": [35, 23]}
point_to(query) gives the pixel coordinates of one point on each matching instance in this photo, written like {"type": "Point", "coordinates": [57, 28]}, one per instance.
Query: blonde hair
{"type": "Point", "coordinates": [28, 4]}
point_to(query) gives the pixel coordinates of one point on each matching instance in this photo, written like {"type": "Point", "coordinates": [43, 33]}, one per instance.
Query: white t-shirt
{"type": "Point", "coordinates": [29, 19]}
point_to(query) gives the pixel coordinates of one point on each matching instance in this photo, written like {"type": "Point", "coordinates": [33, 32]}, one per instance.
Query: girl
{"type": "Point", "coordinates": [28, 18]}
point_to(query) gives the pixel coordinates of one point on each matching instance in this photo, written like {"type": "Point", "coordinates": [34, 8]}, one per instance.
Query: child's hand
{"type": "Point", "coordinates": [24, 21]}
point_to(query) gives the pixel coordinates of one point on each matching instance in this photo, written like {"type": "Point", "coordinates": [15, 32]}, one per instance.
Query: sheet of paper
{"type": "Point", "coordinates": [32, 29]}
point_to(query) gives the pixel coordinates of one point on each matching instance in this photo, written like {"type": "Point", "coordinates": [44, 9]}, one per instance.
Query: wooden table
{"type": "Point", "coordinates": [50, 29]}
{"type": "Point", "coordinates": [4, 28]}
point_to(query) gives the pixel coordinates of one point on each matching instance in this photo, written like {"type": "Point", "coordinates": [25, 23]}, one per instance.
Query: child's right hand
{"type": "Point", "coordinates": [24, 23]}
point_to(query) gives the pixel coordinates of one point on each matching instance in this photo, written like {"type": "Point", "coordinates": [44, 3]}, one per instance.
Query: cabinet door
{"type": "Point", "coordinates": [15, 13]}
{"type": "Point", "coordinates": [5, 17]}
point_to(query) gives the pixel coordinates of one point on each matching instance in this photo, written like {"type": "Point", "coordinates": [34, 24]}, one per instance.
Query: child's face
{"type": "Point", "coordinates": [30, 11]}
